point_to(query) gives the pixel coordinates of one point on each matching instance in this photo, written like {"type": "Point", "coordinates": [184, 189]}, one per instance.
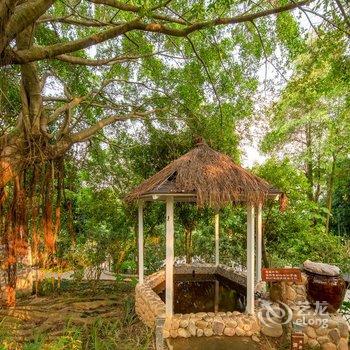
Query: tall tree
{"type": "Point", "coordinates": [86, 50]}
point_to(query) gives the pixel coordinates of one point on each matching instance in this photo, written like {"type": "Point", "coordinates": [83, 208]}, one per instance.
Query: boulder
{"type": "Point", "coordinates": [313, 344]}
{"type": "Point", "coordinates": [183, 333]}
{"type": "Point", "coordinates": [239, 331]}
{"type": "Point", "coordinates": [272, 330]}
{"type": "Point", "coordinates": [192, 328]}
{"type": "Point", "coordinates": [343, 344]}
{"type": "Point", "coordinates": [323, 340]}
{"type": "Point", "coordinates": [218, 327]}
{"type": "Point", "coordinates": [329, 346]}
{"type": "Point", "coordinates": [208, 332]}
{"type": "Point", "coordinates": [311, 333]}
{"type": "Point", "coordinates": [200, 332]}
{"type": "Point", "coordinates": [230, 332]}
{"type": "Point", "coordinates": [334, 336]}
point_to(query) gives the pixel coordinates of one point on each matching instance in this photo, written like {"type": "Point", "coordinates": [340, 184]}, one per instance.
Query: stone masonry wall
{"type": "Point", "coordinates": [322, 330]}
{"type": "Point", "coordinates": [209, 323]}
{"type": "Point", "coordinates": [149, 307]}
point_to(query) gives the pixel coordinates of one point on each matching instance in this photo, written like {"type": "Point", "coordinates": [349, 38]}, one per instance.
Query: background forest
{"type": "Point", "coordinates": [303, 133]}
{"type": "Point", "coordinates": [96, 96]}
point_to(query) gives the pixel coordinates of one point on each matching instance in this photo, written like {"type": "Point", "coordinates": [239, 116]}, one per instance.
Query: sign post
{"type": "Point", "coordinates": [278, 275]}
{"type": "Point", "coordinates": [297, 341]}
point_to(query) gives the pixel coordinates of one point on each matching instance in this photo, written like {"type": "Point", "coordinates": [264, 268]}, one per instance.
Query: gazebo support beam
{"type": "Point", "coordinates": [258, 242]}
{"type": "Point", "coordinates": [217, 240]}
{"type": "Point", "coordinates": [250, 259]}
{"type": "Point", "coordinates": [140, 242]}
{"type": "Point", "coordinates": [169, 265]}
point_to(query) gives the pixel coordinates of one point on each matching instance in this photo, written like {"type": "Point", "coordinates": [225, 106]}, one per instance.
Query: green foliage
{"type": "Point", "coordinates": [297, 234]}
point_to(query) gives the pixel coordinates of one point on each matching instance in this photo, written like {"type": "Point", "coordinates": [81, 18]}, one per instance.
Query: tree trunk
{"type": "Point", "coordinates": [309, 162]}
{"type": "Point", "coordinates": [330, 192]}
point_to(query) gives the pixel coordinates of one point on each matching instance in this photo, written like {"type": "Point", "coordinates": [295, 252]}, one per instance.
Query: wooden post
{"type": "Point", "coordinates": [258, 242]}
{"type": "Point", "coordinates": [217, 241]}
{"type": "Point", "coordinates": [169, 266]}
{"type": "Point", "coordinates": [216, 297]}
{"type": "Point", "coordinates": [141, 265]}
{"type": "Point", "coordinates": [250, 259]}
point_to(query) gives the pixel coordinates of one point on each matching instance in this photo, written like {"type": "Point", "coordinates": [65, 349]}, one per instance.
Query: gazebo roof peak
{"type": "Point", "coordinates": [207, 177]}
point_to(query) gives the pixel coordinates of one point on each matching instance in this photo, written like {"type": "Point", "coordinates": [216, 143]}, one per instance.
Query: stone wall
{"type": "Point", "coordinates": [322, 330]}
{"type": "Point", "coordinates": [209, 323]}
{"type": "Point", "coordinates": [149, 307]}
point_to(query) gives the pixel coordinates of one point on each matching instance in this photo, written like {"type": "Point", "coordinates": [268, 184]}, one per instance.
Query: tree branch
{"type": "Point", "coordinates": [24, 16]}
{"type": "Point", "coordinates": [92, 130]}
{"type": "Point", "coordinates": [71, 104]}
{"type": "Point", "coordinates": [47, 52]}
{"type": "Point", "coordinates": [51, 51]}
{"type": "Point", "coordinates": [100, 62]}
{"type": "Point", "coordinates": [138, 10]}
{"type": "Point", "coordinates": [75, 21]}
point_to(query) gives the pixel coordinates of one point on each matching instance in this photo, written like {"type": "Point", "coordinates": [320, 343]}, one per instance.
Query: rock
{"type": "Point", "coordinates": [218, 327]}
{"type": "Point", "coordinates": [192, 328]}
{"type": "Point", "coordinates": [272, 330]}
{"type": "Point", "coordinates": [183, 323]}
{"type": "Point", "coordinates": [231, 324]}
{"type": "Point", "coordinates": [332, 324]}
{"type": "Point", "coordinates": [311, 333]}
{"type": "Point", "coordinates": [261, 287]}
{"type": "Point", "coordinates": [201, 324]}
{"type": "Point", "coordinates": [329, 346]}
{"type": "Point", "coordinates": [334, 336]}
{"type": "Point", "coordinates": [239, 331]}
{"type": "Point", "coordinates": [343, 344]}
{"type": "Point", "coordinates": [322, 331]}
{"type": "Point", "coordinates": [208, 332]}
{"type": "Point", "coordinates": [290, 293]}
{"type": "Point", "coordinates": [313, 343]}
{"type": "Point", "coordinates": [321, 268]}
{"type": "Point", "coordinates": [322, 340]}
{"type": "Point", "coordinates": [343, 329]}
{"type": "Point", "coordinates": [255, 327]}
{"type": "Point", "coordinates": [201, 314]}
{"type": "Point", "coordinates": [200, 332]}
{"type": "Point", "coordinates": [166, 334]}
{"type": "Point", "coordinates": [247, 327]}
{"type": "Point", "coordinates": [175, 324]}
{"type": "Point", "coordinates": [208, 318]}
{"type": "Point", "coordinates": [255, 339]}
{"type": "Point", "coordinates": [173, 333]}
{"type": "Point", "coordinates": [183, 333]}
{"type": "Point", "coordinates": [230, 332]}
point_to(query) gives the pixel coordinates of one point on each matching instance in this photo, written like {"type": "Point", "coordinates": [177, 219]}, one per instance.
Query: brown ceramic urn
{"type": "Point", "coordinates": [325, 285]}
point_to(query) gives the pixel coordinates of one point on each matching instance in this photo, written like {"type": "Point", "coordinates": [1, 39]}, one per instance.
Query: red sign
{"type": "Point", "coordinates": [297, 341]}
{"type": "Point", "coordinates": [276, 275]}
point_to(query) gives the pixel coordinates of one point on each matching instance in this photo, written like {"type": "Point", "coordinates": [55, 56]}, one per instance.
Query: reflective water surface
{"type": "Point", "coordinates": [205, 293]}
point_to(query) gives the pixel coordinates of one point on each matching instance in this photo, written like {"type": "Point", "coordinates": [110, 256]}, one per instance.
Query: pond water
{"type": "Point", "coordinates": [205, 293]}
{"type": "Point", "coordinates": [213, 343]}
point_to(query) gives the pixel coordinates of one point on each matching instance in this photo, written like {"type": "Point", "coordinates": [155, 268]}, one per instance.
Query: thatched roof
{"type": "Point", "coordinates": [207, 177]}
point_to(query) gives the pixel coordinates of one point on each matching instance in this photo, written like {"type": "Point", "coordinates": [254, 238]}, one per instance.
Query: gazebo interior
{"type": "Point", "coordinates": [211, 179]}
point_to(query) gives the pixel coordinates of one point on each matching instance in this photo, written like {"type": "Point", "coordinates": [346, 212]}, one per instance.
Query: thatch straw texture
{"type": "Point", "coordinates": [212, 177]}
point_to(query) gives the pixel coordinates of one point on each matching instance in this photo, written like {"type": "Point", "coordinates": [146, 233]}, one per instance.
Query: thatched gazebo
{"type": "Point", "coordinates": [208, 178]}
